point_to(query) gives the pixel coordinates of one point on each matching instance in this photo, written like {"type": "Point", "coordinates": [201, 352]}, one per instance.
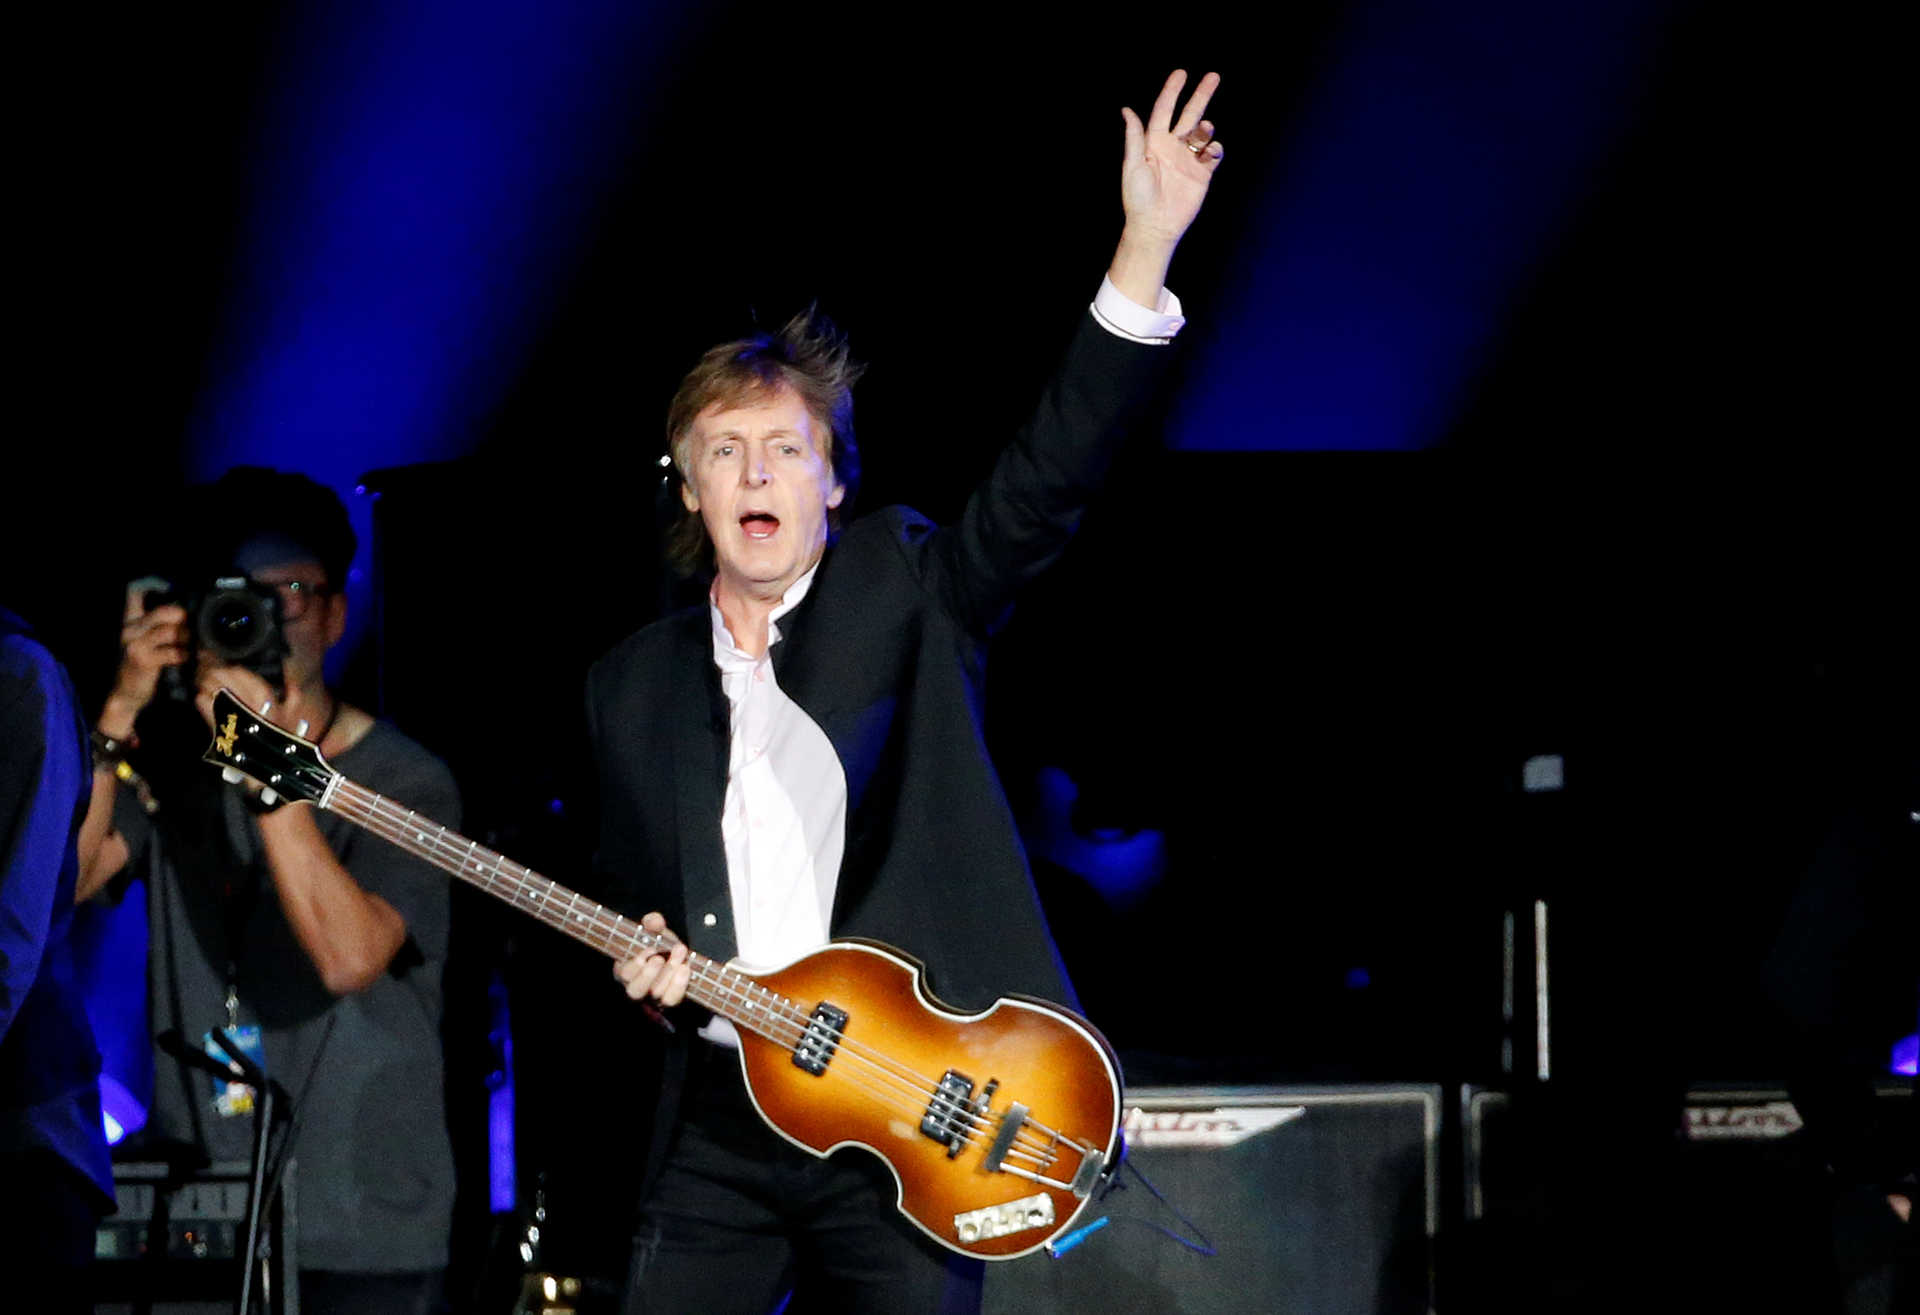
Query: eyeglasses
{"type": "Point", "coordinates": [297, 595]}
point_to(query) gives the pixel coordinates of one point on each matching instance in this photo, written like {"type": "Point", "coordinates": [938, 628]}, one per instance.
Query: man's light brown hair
{"type": "Point", "coordinates": [807, 355]}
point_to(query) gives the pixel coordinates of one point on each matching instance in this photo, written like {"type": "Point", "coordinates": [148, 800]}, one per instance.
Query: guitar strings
{"type": "Point", "coordinates": [390, 821]}
{"type": "Point", "coordinates": [605, 930]}
{"type": "Point", "coordinates": [396, 824]}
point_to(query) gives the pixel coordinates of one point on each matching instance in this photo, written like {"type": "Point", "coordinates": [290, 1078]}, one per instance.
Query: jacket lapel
{"type": "Point", "coordinates": [700, 782]}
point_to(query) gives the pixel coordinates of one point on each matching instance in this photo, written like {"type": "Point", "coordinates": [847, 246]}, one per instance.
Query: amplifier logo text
{"type": "Point", "coordinates": [1205, 1129]}
{"type": "Point", "coordinates": [1742, 1122]}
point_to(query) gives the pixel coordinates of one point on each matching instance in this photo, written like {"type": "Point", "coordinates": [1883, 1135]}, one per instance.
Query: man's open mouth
{"type": "Point", "coordinates": [759, 524]}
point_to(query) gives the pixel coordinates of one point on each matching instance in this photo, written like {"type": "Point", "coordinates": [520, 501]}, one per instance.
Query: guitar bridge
{"type": "Point", "coordinates": [950, 1112]}
{"type": "Point", "coordinates": [1000, 1220]}
{"type": "Point", "coordinates": [821, 1038]}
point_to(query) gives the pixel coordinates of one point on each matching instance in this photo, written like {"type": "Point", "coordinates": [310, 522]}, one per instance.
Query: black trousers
{"type": "Point", "coordinates": [741, 1218]}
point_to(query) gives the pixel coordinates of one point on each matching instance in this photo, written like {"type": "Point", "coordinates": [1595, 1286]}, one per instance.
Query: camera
{"type": "Point", "coordinates": [231, 620]}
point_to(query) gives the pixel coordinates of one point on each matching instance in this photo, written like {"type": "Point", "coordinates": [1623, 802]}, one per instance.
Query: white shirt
{"type": "Point", "coordinates": [783, 823]}
{"type": "Point", "coordinates": [784, 820]}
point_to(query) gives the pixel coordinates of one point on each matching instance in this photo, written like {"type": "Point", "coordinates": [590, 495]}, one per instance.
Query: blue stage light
{"type": "Point", "coordinates": [120, 1110]}
{"type": "Point", "coordinates": [423, 177]}
{"type": "Point", "coordinates": [1906, 1055]}
{"type": "Point", "coordinates": [1124, 866]}
{"type": "Point", "coordinates": [502, 1194]}
{"type": "Point", "coordinates": [1442, 151]}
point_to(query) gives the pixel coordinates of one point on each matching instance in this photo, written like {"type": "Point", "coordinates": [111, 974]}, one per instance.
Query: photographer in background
{"type": "Point", "coordinates": [318, 944]}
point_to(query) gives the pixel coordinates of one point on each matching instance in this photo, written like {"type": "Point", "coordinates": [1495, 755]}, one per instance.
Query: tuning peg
{"type": "Point", "coordinates": [269, 798]}
{"type": "Point", "coordinates": [232, 775]}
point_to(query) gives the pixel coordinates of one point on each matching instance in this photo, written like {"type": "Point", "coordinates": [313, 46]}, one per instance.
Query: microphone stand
{"type": "Point", "coordinates": [264, 1088]}
{"type": "Point", "coordinates": [268, 1096]}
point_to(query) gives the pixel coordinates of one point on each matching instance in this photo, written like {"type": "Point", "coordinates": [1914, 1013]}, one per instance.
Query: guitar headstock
{"type": "Point", "coordinates": [248, 746]}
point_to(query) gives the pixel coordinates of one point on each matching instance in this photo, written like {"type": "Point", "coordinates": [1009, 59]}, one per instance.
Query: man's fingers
{"type": "Point", "coordinates": [637, 973]}
{"type": "Point", "coordinates": [158, 648]}
{"type": "Point", "coordinates": [1163, 104]}
{"type": "Point", "coordinates": [1196, 103]}
{"type": "Point", "coordinates": [670, 982]}
{"type": "Point", "coordinates": [671, 989]}
{"type": "Point", "coordinates": [157, 641]}
{"type": "Point", "coordinates": [1136, 136]}
{"type": "Point", "coordinates": [162, 620]}
{"type": "Point", "coordinates": [663, 976]}
{"type": "Point", "coordinates": [662, 972]}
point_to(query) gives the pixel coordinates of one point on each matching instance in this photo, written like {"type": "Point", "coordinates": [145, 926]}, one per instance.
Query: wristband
{"type": "Point", "coordinates": [110, 755]}
{"type": "Point", "coordinates": [108, 751]}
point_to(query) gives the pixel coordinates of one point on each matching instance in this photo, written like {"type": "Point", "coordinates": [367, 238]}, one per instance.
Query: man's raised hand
{"type": "Point", "coordinates": [1163, 180]}
{"type": "Point", "coordinates": [1169, 163]}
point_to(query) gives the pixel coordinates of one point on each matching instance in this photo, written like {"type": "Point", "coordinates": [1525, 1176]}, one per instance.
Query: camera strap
{"type": "Point", "coordinates": [239, 894]}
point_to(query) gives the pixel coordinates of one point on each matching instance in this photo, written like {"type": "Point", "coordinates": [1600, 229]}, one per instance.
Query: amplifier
{"type": "Point", "coordinates": [1722, 1196]}
{"type": "Point", "coordinates": [1750, 1126]}
{"type": "Point", "coordinates": [1315, 1199]}
{"type": "Point", "coordinates": [176, 1236]}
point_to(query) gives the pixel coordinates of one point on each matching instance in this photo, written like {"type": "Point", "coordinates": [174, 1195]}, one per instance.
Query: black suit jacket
{"type": "Point", "coordinates": [886, 653]}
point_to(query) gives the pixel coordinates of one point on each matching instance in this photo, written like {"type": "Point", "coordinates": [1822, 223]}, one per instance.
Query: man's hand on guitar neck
{"type": "Point", "coordinates": [659, 974]}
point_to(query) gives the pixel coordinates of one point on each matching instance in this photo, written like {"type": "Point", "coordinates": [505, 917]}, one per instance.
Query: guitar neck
{"type": "Point", "coordinates": [731, 994]}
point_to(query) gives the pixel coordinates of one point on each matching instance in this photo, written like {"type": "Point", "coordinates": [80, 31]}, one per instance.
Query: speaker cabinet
{"type": "Point", "coordinates": [1586, 1191]}
{"type": "Point", "coordinates": [1322, 1200]}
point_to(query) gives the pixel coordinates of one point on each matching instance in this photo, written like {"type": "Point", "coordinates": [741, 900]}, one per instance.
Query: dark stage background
{"type": "Point", "coordinates": [1266, 722]}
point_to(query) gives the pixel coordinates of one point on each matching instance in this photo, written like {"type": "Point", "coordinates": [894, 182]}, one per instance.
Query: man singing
{"type": "Point", "coordinates": [803, 758]}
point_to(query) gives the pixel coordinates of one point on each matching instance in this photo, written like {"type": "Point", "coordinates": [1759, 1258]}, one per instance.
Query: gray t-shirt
{"type": "Point", "coordinates": [374, 1182]}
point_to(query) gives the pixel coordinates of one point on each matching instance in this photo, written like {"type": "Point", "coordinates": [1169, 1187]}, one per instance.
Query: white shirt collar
{"type": "Point", "coordinates": [725, 651]}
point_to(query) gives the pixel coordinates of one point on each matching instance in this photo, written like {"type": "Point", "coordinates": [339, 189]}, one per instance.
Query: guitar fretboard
{"type": "Point", "coordinates": [731, 994]}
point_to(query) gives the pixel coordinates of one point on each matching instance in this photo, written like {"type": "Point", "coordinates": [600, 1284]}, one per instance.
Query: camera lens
{"type": "Point", "coordinates": [233, 625]}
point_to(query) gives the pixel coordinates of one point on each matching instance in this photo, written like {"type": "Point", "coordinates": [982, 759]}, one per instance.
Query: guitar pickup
{"type": "Point", "coordinates": [950, 1112]}
{"type": "Point", "coordinates": [821, 1038]}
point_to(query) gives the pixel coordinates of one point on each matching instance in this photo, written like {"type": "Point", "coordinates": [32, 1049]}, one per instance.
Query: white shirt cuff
{"type": "Point", "coordinates": [1126, 318]}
